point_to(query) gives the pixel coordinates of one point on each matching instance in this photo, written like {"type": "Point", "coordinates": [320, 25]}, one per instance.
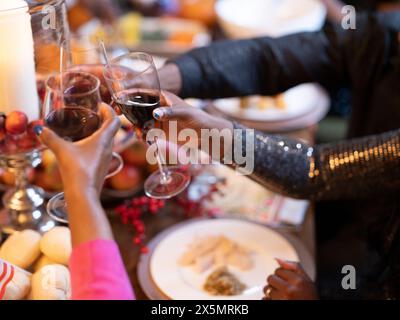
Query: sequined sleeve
{"type": "Point", "coordinates": [363, 167]}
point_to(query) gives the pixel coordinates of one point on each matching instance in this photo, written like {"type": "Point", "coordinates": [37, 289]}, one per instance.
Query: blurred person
{"type": "Point", "coordinates": [360, 232]}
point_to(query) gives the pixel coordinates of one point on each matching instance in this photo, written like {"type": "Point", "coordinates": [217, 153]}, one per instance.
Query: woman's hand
{"type": "Point", "coordinates": [84, 164]}
{"type": "Point", "coordinates": [174, 108]}
{"type": "Point", "coordinates": [290, 282]}
{"type": "Point", "coordinates": [188, 117]}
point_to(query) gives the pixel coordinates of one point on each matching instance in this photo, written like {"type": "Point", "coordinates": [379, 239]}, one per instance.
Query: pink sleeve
{"type": "Point", "coordinates": [98, 273]}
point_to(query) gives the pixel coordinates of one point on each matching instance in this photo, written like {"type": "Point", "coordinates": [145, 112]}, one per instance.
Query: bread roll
{"type": "Point", "coordinates": [21, 248]}
{"type": "Point", "coordinates": [52, 282]}
{"type": "Point", "coordinates": [19, 287]}
{"type": "Point", "coordinates": [41, 262]}
{"type": "Point", "coordinates": [20, 284]}
{"type": "Point", "coordinates": [56, 245]}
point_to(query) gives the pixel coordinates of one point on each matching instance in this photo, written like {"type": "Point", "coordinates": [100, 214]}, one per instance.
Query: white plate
{"type": "Point", "coordinates": [299, 101]}
{"type": "Point", "coordinates": [180, 283]}
{"type": "Point", "coordinates": [274, 18]}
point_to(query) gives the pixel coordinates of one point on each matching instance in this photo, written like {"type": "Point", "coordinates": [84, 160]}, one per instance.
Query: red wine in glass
{"type": "Point", "coordinates": [133, 81]}
{"type": "Point", "coordinates": [138, 106]}
{"type": "Point", "coordinates": [96, 70]}
{"type": "Point", "coordinates": [73, 123]}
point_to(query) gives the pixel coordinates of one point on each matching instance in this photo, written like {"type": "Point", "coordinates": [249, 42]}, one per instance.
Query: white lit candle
{"type": "Point", "coordinates": [17, 64]}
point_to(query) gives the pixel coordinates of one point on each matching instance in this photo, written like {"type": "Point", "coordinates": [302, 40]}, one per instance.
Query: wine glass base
{"type": "Point", "coordinates": [177, 182]}
{"type": "Point", "coordinates": [12, 221]}
{"type": "Point", "coordinates": [57, 208]}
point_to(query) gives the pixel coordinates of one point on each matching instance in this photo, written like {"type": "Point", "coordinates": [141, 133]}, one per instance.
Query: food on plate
{"type": "Point", "coordinates": [221, 282]}
{"type": "Point", "coordinates": [19, 285]}
{"type": "Point", "coordinates": [263, 103]}
{"type": "Point", "coordinates": [208, 252]}
{"type": "Point", "coordinates": [56, 245]}
{"type": "Point", "coordinates": [183, 37]}
{"type": "Point", "coordinates": [21, 248]}
{"type": "Point", "coordinates": [52, 282]}
{"type": "Point", "coordinates": [128, 178]}
{"type": "Point", "coordinates": [133, 29]}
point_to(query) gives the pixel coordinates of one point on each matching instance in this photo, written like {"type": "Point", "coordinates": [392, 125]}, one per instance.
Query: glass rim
{"type": "Point", "coordinates": [91, 91]}
{"type": "Point", "coordinates": [112, 63]}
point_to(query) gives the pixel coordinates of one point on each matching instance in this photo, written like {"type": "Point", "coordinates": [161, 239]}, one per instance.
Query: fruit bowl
{"type": "Point", "coordinates": [20, 151]}
{"type": "Point", "coordinates": [17, 134]}
{"type": "Point", "coordinates": [127, 183]}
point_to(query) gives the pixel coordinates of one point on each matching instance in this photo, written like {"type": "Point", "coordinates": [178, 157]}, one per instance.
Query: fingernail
{"type": "Point", "coordinates": [38, 130]}
{"type": "Point", "coordinates": [158, 114]}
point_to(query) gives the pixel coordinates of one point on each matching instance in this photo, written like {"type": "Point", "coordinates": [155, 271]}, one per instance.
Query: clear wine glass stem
{"type": "Point", "coordinates": [165, 177]}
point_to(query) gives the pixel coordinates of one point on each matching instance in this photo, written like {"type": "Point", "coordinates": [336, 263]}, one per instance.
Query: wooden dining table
{"type": "Point", "coordinates": [170, 216]}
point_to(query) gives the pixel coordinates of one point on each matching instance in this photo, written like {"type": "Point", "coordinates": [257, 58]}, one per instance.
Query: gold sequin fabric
{"type": "Point", "coordinates": [352, 169]}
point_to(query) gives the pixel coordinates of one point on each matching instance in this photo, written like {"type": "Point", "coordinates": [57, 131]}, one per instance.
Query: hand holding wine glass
{"type": "Point", "coordinates": [83, 166]}
{"type": "Point", "coordinates": [85, 162]}
{"type": "Point", "coordinates": [71, 110]}
{"type": "Point", "coordinates": [133, 82]}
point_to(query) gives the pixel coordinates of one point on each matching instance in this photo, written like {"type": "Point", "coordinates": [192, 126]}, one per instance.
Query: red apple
{"type": "Point", "coordinates": [27, 142]}
{"type": "Point", "coordinates": [11, 144]}
{"type": "Point", "coordinates": [135, 154]}
{"type": "Point", "coordinates": [32, 126]}
{"type": "Point", "coordinates": [16, 123]}
{"type": "Point", "coordinates": [128, 178]}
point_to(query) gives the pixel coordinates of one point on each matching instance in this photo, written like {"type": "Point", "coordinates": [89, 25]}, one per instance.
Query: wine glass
{"type": "Point", "coordinates": [70, 109]}
{"type": "Point", "coordinates": [85, 53]}
{"type": "Point", "coordinates": [135, 87]}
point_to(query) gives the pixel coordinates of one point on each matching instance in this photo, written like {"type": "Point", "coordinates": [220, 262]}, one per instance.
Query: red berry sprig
{"type": "Point", "coordinates": [131, 212]}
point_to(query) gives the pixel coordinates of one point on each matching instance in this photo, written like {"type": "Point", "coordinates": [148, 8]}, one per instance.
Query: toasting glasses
{"type": "Point", "coordinates": [135, 87]}
{"type": "Point", "coordinates": [85, 53]}
{"type": "Point", "coordinates": [71, 110]}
